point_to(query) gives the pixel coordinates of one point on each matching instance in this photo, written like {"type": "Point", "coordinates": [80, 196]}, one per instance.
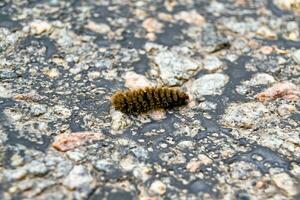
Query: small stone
{"type": "Point", "coordinates": [152, 25]}
{"type": "Point", "coordinates": [118, 120]}
{"type": "Point", "coordinates": [127, 164]}
{"type": "Point", "coordinates": [38, 27]}
{"type": "Point", "coordinates": [37, 110]}
{"type": "Point", "coordinates": [16, 174]}
{"type": "Point", "coordinates": [37, 168]}
{"type": "Point", "coordinates": [66, 142]}
{"type": "Point", "coordinates": [245, 115]}
{"type": "Point", "coordinates": [211, 39]}
{"type": "Point", "coordinates": [62, 168]}
{"type": "Point", "coordinates": [158, 187]}
{"type": "Point", "coordinates": [157, 114]}
{"type": "Point", "coordinates": [212, 63]}
{"type": "Point", "coordinates": [265, 32]}
{"type": "Point", "coordinates": [266, 50]}
{"type": "Point", "coordinates": [285, 90]}
{"type": "Point", "coordinates": [79, 179]}
{"type": "Point", "coordinates": [191, 17]}
{"type": "Point", "coordinates": [140, 152]}
{"type": "Point", "coordinates": [17, 160]}
{"type": "Point", "coordinates": [5, 91]}
{"type": "Point", "coordinates": [284, 182]}
{"type": "Point", "coordinates": [62, 111]}
{"type": "Point", "coordinates": [8, 75]}
{"type": "Point", "coordinates": [104, 165]}
{"type": "Point", "coordinates": [185, 144]}
{"type": "Point", "coordinates": [165, 17]}
{"type": "Point", "coordinates": [142, 172]}
{"type": "Point", "coordinates": [98, 28]}
{"type": "Point", "coordinates": [28, 97]}
{"type": "Point", "coordinates": [75, 155]}
{"type": "Point", "coordinates": [93, 75]}
{"type": "Point", "coordinates": [24, 185]}
{"type": "Point", "coordinates": [52, 73]}
{"type": "Point", "coordinates": [194, 164]}
{"type": "Point", "coordinates": [261, 79]}
{"type": "Point", "coordinates": [134, 80]}
{"type": "Point", "coordinates": [293, 5]}
{"type": "Point", "coordinates": [210, 84]}
{"type": "Point", "coordinates": [286, 109]}
{"type": "Point", "coordinates": [103, 64]}
{"type": "Point", "coordinates": [174, 68]}
{"type": "Point", "coordinates": [296, 56]}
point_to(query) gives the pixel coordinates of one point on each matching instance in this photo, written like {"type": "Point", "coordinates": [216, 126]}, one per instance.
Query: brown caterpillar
{"type": "Point", "coordinates": [142, 100]}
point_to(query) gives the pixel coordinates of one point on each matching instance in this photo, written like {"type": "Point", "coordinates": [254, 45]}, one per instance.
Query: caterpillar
{"type": "Point", "coordinates": [142, 100]}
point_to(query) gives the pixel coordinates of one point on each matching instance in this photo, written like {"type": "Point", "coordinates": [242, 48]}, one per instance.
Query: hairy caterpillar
{"type": "Point", "coordinates": [142, 100]}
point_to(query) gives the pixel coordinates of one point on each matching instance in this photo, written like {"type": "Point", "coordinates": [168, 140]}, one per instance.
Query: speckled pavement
{"type": "Point", "coordinates": [238, 138]}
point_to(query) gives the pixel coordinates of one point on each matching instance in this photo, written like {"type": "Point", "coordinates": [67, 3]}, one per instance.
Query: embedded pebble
{"type": "Point", "coordinates": [66, 142]}
{"type": "Point", "coordinates": [210, 84]}
{"type": "Point", "coordinates": [211, 39]}
{"type": "Point", "coordinates": [5, 92]}
{"type": "Point", "coordinates": [286, 109]}
{"type": "Point", "coordinates": [38, 27]}
{"type": "Point", "coordinates": [191, 17]}
{"type": "Point", "coordinates": [8, 75]}
{"type": "Point", "coordinates": [175, 68]}
{"type": "Point", "coordinates": [37, 110]}
{"type": "Point", "coordinates": [98, 27]}
{"type": "Point", "coordinates": [158, 187]}
{"type": "Point", "coordinates": [31, 96]}
{"type": "Point", "coordinates": [285, 90]}
{"type": "Point", "coordinates": [119, 121]}
{"type": "Point", "coordinates": [194, 164]}
{"type": "Point", "coordinates": [17, 174]}
{"type": "Point", "coordinates": [37, 168]}
{"type": "Point", "coordinates": [152, 25]}
{"type": "Point", "coordinates": [104, 165]}
{"type": "Point", "coordinates": [75, 155]}
{"type": "Point", "coordinates": [93, 75]}
{"type": "Point", "coordinates": [285, 183]}
{"type": "Point", "coordinates": [212, 63]}
{"type": "Point", "coordinates": [80, 180]}
{"type": "Point", "coordinates": [293, 5]}
{"type": "Point", "coordinates": [134, 80]}
{"type": "Point", "coordinates": [62, 111]}
{"type": "Point", "coordinates": [296, 56]}
{"type": "Point", "coordinates": [245, 115]}
{"type": "Point", "coordinates": [261, 79]}
{"type": "Point", "coordinates": [265, 32]}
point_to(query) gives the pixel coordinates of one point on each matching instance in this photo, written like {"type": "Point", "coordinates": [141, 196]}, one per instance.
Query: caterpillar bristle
{"type": "Point", "coordinates": [142, 100]}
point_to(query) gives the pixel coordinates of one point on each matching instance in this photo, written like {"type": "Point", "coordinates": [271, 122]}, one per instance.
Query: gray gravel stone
{"type": "Point", "coordinates": [8, 75]}
{"type": "Point", "coordinates": [174, 68]}
{"type": "Point", "coordinates": [211, 39]}
{"type": "Point", "coordinates": [104, 165]}
{"type": "Point", "coordinates": [37, 110]}
{"type": "Point", "coordinates": [245, 115]}
{"type": "Point", "coordinates": [210, 84]}
{"type": "Point", "coordinates": [17, 174]}
{"type": "Point", "coordinates": [80, 180]}
{"type": "Point", "coordinates": [75, 155]}
{"type": "Point", "coordinates": [261, 79]}
{"type": "Point", "coordinates": [37, 168]}
{"type": "Point", "coordinates": [296, 56]}
{"type": "Point", "coordinates": [140, 152]}
{"type": "Point", "coordinates": [212, 63]}
{"type": "Point", "coordinates": [285, 183]}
